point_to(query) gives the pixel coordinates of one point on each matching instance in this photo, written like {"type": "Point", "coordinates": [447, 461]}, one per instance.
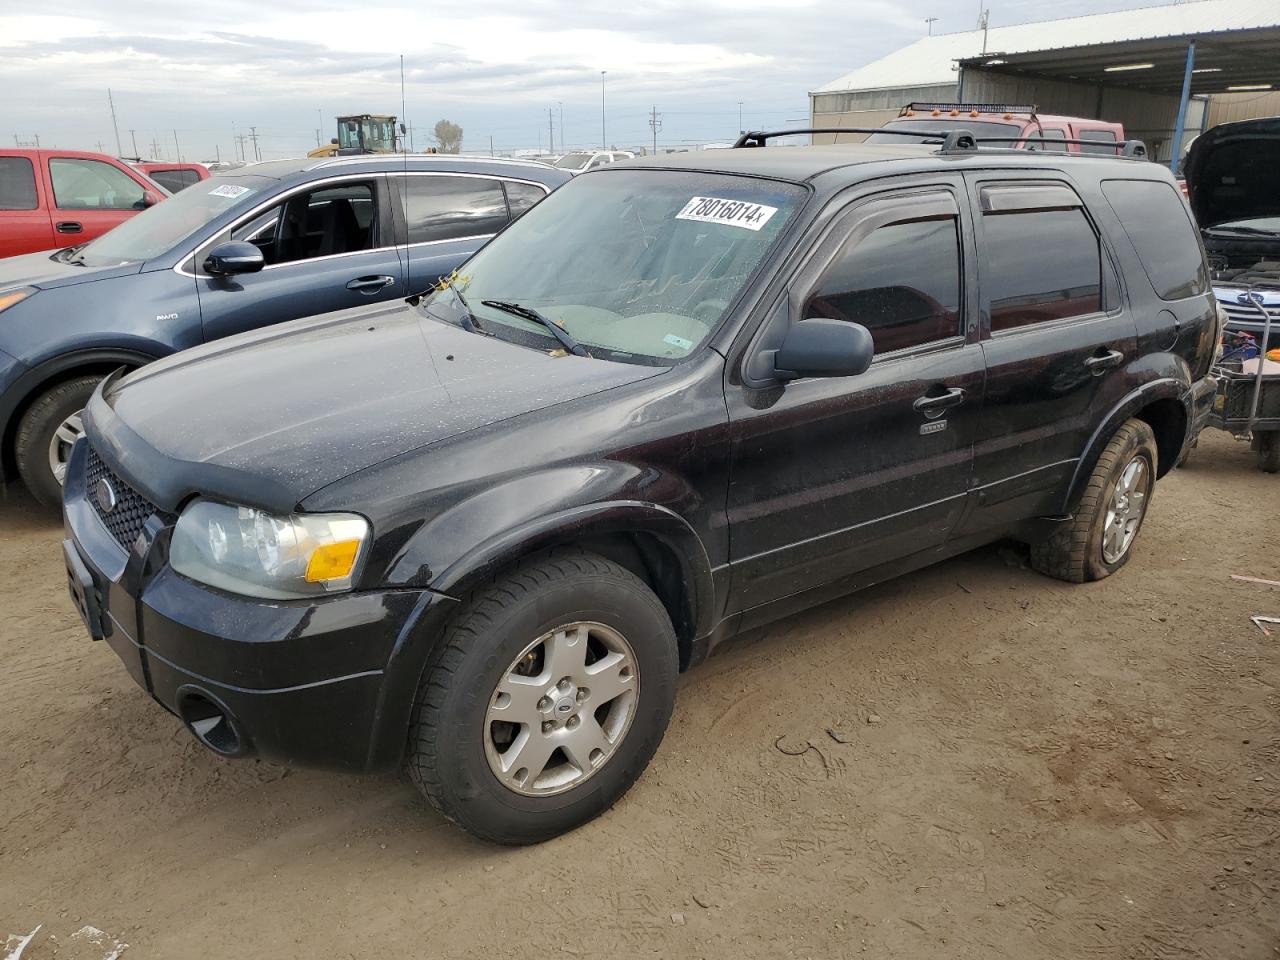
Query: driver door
{"type": "Point", "coordinates": [832, 476]}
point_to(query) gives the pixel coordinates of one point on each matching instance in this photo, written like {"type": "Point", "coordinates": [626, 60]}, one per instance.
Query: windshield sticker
{"type": "Point", "coordinates": [732, 213]}
{"type": "Point", "coordinates": [675, 341]}
{"type": "Point", "coordinates": [229, 190]}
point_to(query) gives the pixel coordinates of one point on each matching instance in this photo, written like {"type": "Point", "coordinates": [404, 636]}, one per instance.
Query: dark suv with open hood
{"type": "Point", "coordinates": [1233, 182]}
{"type": "Point", "coordinates": [480, 532]}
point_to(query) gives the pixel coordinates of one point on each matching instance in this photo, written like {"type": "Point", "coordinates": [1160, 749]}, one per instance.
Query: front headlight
{"type": "Point", "coordinates": [9, 297]}
{"type": "Point", "coordinates": [247, 551]}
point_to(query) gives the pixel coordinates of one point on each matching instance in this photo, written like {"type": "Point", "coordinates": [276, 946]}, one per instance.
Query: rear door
{"type": "Point", "coordinates": [831, 476]}
{"type": "Point", "coordinates": [90, 196]}
{"type": "Point", "coordinates": [24, 216]}
{"type": "Point", "coordinates": [443, 218]}
{"type": "Point", "coordinates": [1057, 338]}
{"type": "Point", "coordinates": [327, 247]}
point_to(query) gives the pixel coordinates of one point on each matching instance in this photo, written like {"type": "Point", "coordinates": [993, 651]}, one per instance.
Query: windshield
{"type": "Point", "coordinates": [1251, 224]}
{"type": "Point", "coordinates": [160, 228]}
{"type": "Point", "coordinates": [573, 161]}
{"type": "Point", "coordinates": [979, 128]}
{"type": "Point", "coordinates": [638, 266]}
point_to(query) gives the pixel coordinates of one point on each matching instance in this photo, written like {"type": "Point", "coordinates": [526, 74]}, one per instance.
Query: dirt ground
{"type": "Point", "coordinates": [971, 762]}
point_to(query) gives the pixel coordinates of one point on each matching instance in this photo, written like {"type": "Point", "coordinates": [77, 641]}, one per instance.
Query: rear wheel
{"type": "Point", "coordinates": [551, 693]}
{"type": "Point", "coordinates": [1267, 446]}
{"type": "Point", "coordinates": [1099, 538]}
{"type": "Point", "coordinates": [46, 434]}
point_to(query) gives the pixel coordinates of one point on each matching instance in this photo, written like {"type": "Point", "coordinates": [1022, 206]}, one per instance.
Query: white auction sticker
{"type": "Point", "coordinates": [229, 190]}
{"type": "Point", "coordinates": [732, 213]}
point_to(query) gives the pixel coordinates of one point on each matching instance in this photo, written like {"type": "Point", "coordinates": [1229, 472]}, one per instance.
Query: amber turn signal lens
{"type": "Point", "coordinates": [332, 561]}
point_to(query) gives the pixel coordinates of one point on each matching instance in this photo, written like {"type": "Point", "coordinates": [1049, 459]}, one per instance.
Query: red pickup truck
{"type": "Point", "coordinates": [58, 198]}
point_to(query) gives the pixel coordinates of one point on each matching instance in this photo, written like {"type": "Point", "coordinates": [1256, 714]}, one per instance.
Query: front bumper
{"type": "Point", "coordinates": [323, 682]}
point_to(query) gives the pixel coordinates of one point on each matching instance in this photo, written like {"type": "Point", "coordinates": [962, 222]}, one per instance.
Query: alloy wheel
{"type": "Point", "coordinates": [1126, 509]}
{"type": "Point", "coordinates": [561, 709]}
{"type": "Point", "coordinates": [64, 438]}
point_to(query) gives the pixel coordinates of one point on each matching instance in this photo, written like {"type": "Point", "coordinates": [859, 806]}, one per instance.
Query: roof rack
{"type": "Point", "coordinates": [956, 141]}
{"type": "Point", "coordinates": [958, 108]}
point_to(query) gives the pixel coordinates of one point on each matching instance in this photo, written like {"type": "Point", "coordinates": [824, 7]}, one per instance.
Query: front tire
{"type": "Point", "coordinates": [551, 693]}
{"type": "Point", "coordinates": [1099, 538]}
{"type": "Point", "coordinates": [46, 433]}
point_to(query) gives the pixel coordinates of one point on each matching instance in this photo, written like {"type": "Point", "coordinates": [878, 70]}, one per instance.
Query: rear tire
{"type": "Point", "coordinates": [1099, 538]}
{"type": "Point", "coordinates": [1268, 447]}
{"type": "Point", "coordinates": [45, 434]}
{"type": "Point", "coordinates": [457, 750]}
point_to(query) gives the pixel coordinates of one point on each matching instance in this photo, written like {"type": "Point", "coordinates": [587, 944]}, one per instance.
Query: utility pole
{"type": "Point", "coordinates": [560, 104]}
{"type": "Point", "coordinates": [317, 136]}
{"type": "Point", "coordinates": [491, 143]}
{"type": "Point", "coordinates": [551, 130]}
{"type": "Point", "coordinates": [133, 135]}
{"type": "Point", "coordinates": [176, 147]}
{"type": "Point", "coordinates": [112, 104]}
{"type": "Point", "coordinates": [741, 128]}
{"type": "Point", "coordinates": [155, 148]}
{"type": "Point", "coordinates": [655, 124]}
{"type": "Point", "coordinates": [217, 153]}
{"type": "Point", "coordinates": [240, 139]}
{"type": "Point", "coordinates": [100, 146]}
{"type": "Point", "coordinates": [604, 140]}
{"type": "Point", "coordinates": [930, 21]}
{"type": "Point", "coordinates": [253, 135]}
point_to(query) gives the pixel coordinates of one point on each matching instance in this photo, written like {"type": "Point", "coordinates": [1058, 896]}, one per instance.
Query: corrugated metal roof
{"type": "Point", "coordinates": [931, 60]}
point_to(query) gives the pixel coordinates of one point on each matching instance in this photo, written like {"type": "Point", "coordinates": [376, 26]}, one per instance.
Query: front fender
{"type": "Point", "coordinates": [458, 548]}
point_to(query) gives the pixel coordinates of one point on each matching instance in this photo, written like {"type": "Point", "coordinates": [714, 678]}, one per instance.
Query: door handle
{"type": "Point", "coordinates": [932, 405]}
{"type": "Point", "coordinates": [370, 284]}
{"type": "Point", "coordinates": [68, 226]}
{"type": "Point", "coordinates": [1102, 362]}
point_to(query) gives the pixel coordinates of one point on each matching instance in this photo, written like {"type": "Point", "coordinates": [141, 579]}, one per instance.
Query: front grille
{"type": "Point", "coordinates": [132, 509]}
{"type": "Point", "coordinates": [1249, 314]}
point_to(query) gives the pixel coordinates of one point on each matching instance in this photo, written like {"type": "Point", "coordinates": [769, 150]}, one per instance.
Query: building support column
{"type": "Point", "coordinates": [1180, 127]}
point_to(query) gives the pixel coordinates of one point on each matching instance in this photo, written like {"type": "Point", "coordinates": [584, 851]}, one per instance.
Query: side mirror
{"type": "Point", "coordinates": [823, 348]}
{"type": "Point", "coordinates": [150, 198]}
{"type": "Point", "coordinates": [234, 256]}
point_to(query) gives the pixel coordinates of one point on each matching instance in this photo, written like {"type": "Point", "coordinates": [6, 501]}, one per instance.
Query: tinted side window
{"type": "Point", "coordinates": [522, 196]}
{"type": "Point", "coordinates": [448, 208]}
{"type": "Point", "coordinates": [83, 184]}
{"type": "Point", "coordinates": [1156, 220]}
{"type": "Point", "coordinates": [17, 184]}
{"type": "Point", "coordinates": [902, 282]}
{"type": "Point", "coordinates": [1107, 135]}
{"type": "Point", "coordinates": [1042, 265]}
{"type": "Point", "coordinates": [1054, 140]}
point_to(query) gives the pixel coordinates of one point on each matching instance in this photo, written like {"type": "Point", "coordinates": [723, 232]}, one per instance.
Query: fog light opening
{"type": "Point", "coordinates": [210, 723]}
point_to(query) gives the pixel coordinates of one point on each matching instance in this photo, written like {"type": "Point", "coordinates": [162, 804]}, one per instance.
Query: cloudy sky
{"type": "Point", "coordinates": [494, 67]}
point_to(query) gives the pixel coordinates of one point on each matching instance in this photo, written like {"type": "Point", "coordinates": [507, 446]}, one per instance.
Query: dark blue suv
{"type": "Point", "coordinates": [266, 243]}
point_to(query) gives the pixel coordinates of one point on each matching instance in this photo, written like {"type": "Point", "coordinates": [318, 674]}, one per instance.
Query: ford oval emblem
{"type": "Point", "coordinates": [1254, 296]}
{"type": "Point", "coordinates": [105, 494]}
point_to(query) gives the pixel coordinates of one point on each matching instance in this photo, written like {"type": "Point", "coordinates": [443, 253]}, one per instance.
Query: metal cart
{"type": "Point", "coordinates": [1247, 405]}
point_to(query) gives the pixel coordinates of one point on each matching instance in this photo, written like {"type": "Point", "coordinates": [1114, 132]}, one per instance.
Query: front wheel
{"type": "Point", "coordinates": [550, 695]}
{"type": "Point", "coordinates": [46, 434]}
{"type": "Point", "coordinates": [1099, 538]}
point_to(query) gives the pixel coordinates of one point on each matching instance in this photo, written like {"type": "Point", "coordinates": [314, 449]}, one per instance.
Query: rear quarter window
{"type": "Point", "coordinates": [1157, 222]}
{"type": "Point", "coordinates": [17, 184]}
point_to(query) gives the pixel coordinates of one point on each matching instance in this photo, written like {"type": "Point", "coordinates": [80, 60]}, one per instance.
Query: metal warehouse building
{"type": "Point", "coordinates": [1158, 70]}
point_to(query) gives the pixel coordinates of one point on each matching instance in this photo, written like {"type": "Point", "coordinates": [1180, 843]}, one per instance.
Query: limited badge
{"type": "Point", "coordinates": [937, 426]}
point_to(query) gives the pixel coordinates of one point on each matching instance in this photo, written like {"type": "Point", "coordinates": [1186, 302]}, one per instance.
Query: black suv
{"type": "Point", "coordinates": [480, 532]}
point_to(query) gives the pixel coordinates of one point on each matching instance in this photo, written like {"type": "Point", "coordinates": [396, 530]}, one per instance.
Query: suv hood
{"type": "Point", "coordinates": [46, 269]}
{"type": "Point", "coordinates": [1233, 172]}
{"type": "Point", "coordinates": [267, 418]}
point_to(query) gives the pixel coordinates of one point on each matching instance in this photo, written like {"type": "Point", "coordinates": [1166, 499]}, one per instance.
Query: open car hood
{"type": "Point", "coordinates": [1233, 172]}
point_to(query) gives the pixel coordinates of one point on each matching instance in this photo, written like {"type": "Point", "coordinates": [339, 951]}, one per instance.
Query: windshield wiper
{"type": "Point", "coordinates": [528, 313]}
{"type": "Point", "coordinates": [467, 321]}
